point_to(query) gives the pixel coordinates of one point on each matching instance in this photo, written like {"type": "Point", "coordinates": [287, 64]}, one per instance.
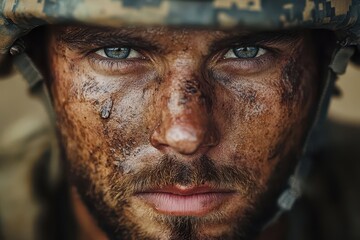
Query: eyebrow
{"type": "Point", "coordinates": [80, 37]}
{"type": "Point", "coordinates": [87, 37]}
{"type": "Point", "coordinates": [262, 38]}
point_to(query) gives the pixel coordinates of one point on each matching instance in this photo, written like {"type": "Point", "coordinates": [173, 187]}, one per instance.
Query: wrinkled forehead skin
{"type": "Point", "coordinates": [17, 17]}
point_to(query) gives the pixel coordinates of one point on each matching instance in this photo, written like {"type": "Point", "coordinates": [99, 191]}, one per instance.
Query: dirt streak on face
{"type": "Point", "coordinates": [180, 109]}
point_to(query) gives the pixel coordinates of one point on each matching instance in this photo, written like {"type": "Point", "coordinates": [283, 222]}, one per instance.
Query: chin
{"type": "Point", "coordinates": [137, 219]}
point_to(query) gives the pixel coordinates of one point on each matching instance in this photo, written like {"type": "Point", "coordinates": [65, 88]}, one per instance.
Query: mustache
{"type": "Point", "coordinates": [171, 171]}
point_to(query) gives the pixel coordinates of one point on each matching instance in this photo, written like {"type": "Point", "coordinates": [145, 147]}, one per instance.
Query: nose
{"type": "Point", "coordinates": [186, 124]}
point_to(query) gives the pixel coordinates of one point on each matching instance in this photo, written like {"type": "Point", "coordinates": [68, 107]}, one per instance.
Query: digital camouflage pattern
{"type": "Point", "coordinates": [18, 17]}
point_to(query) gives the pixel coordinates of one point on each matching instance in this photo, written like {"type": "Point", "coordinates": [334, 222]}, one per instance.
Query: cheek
{"type": "Point", "coordinates": [101, 119]}
{"type": "Point", "coordinates": [264, 117]}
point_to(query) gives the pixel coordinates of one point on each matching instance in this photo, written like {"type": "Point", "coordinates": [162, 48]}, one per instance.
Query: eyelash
{"type": "Point", "coordinates": [119, 65]}
{"type": "Point", "coordinates": [113, 65]}
{"type": "Point", "coordinates": [260, 51]}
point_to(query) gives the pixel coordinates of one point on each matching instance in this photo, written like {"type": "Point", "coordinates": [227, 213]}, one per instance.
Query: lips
{"type": "Point", "coordinates": [185, 201]}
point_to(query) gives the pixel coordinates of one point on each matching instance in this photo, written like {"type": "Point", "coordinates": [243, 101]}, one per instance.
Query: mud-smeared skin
{"type": "Point", "coordinates": [180, 114]}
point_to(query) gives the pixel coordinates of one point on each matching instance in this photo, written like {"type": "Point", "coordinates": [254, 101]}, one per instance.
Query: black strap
{"type": "Point", "coordinates": [339, 61]}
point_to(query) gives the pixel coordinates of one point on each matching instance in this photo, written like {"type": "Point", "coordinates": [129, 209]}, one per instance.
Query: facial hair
{"type": "Point", "coordinates": [171, 171]}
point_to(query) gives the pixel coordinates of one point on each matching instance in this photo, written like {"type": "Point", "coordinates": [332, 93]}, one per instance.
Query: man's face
{"type": "Point", "coordinates": [180, 133]}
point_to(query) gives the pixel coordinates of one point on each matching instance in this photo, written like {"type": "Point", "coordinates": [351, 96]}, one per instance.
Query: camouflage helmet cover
{"type": "Point", "coordinates": [18, 17]}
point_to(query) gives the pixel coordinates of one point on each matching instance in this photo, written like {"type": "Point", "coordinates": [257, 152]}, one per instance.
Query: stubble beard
{"type": "Point", "coordinates": [117, 223]}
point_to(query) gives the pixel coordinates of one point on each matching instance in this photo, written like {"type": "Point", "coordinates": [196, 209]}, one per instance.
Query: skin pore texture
{"type": "Point", "coordinates": [182, 138]}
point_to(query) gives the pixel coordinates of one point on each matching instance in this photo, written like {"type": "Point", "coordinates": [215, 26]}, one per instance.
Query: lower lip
{"type": "Point", "coordinates": [185, 205]}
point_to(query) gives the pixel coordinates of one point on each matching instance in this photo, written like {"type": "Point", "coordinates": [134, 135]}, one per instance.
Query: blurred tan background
{"type": "Point", "coordinates": [17, 107]}
{"type": "Point", "coordinates": [346, 108]}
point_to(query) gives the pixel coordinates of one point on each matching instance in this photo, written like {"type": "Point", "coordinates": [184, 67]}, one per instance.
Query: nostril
{"type": "Point", "coordinates": [156, 139]}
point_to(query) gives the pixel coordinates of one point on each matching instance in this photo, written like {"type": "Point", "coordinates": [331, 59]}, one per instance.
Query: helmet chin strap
{"type": "Point", "coordinates": [285, 202]}
{"type": "Point", "coordinates": [35, 80]}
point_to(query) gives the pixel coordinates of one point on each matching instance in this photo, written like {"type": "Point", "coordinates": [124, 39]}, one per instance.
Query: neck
{"type": "Point", "coordinates": [88, 227]}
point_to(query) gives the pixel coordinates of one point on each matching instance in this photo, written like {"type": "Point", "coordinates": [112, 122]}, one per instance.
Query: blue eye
{"type": "Point", "coordinates": [117, 52]}
{"type": "Point", "coordinates": [245, 52]}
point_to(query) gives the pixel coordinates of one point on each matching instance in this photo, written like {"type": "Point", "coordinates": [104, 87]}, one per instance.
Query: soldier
{"type": "Point", "coordinates": [181, 120]}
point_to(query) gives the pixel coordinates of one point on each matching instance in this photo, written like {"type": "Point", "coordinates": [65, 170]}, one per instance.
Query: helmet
{"type": "Point", "coordinates": [18, 18]}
